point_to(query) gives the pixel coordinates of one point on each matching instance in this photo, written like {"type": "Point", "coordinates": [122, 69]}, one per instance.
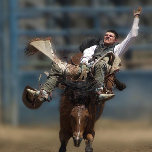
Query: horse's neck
{"type": "Point", "coordinates": [65, 105]}
{"type": "Point", "coordinates": [95, 109]}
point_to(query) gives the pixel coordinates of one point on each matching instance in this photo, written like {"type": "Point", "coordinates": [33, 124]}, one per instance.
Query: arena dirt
{"type": "Point", "coordinates": [111, 136]}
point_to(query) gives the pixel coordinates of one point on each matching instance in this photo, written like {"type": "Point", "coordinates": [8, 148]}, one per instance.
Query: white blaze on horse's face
{"type": "Point", "coordinates": [79, 121]}
{"type": "Point", "coordinates": [78, 128]}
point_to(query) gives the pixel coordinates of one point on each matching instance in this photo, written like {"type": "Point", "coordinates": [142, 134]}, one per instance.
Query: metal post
{"type": "Point", "coordinates": [14, 61]}
{"type": "Point", "coordinates": [5, 63]}
{"type": "Point", "coordinates": [1, 48]}
{"type": "Point", "coordinates": [96, 16]}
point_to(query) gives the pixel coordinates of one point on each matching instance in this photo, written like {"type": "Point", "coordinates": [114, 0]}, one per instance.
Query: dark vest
{"type": "Point", "coordinates": [101, 50]}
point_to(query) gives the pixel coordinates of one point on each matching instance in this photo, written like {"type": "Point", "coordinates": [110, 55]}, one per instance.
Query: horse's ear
{"type": "Point", "coordinates": [87, 113]}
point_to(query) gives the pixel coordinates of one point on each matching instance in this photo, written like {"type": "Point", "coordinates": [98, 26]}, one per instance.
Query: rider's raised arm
{"type": "Point", "coordinates": [87, 54]}
{"type": "Point", "coordinates": [126, 43]}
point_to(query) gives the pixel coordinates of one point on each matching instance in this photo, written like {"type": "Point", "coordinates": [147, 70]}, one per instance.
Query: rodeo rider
{"type": "Point", "coordinates": [93, 56]}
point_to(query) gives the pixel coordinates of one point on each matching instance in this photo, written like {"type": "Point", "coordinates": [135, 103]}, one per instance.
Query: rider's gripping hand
{"type": "Point", "coordinates": [84, 71]}
{"type": "Point", "coordinates": [137, 12]}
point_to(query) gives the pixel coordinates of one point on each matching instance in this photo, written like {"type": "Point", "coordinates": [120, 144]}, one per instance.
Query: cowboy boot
{"type": "Point", "coordinates": [104, 94]}
{"type": "Point", "coordinates": [42, 95]}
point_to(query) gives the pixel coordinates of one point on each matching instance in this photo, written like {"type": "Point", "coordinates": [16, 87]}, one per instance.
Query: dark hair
{"type": "Point", "coordinates": [88, 43]}
{"type": "Point", "coordinates": [114, 32]}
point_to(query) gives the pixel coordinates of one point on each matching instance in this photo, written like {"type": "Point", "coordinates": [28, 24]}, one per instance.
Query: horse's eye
{"type": "Point", "coordinates": [86, 118]}
{"type": "Point", "coordinates": [73, 120]}
{"type": "Point", "coordinates": [71, 116]}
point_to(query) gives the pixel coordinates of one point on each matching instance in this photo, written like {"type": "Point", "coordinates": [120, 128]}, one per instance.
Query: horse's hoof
{"type": "Point", "coordinates": [88, 149]}
{"type": "Point", "coordinates": [62, 149]}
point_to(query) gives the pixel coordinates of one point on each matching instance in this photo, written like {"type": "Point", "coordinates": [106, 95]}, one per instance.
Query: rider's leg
{"type": "Point", "coordinates": [99, 73]}
{"type": "Point", "coordinates": [49, 85]}
{"type": "Point", "coordinates": [46, 89]}
{"type": "Point", "coordinates": [100, 70]}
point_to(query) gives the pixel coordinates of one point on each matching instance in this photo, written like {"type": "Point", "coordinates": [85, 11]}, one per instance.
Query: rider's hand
{"type": "Point", "coordinates": [137, 12]}
{"type": "Point", "coordinates": [84, 71]}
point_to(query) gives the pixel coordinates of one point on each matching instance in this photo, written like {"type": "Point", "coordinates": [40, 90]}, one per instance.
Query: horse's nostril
{"type": "Point", "coordinates": [77, 141]}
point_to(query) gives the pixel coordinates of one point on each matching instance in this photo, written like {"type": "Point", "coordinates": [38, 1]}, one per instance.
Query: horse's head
{"type": "Point", "coordinates": [79, 119]}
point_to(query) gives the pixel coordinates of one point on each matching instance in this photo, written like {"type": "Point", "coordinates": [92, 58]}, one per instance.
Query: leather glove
{"type": "Point", "coordinates": [137, 12]}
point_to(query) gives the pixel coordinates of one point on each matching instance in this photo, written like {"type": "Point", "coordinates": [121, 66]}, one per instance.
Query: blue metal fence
{"type": "Point", "coordinates": [14, 78]}
{"type": "Point", "coordinates": [6, 63]}
{"type": "Point", "coordinates": [1, 48]}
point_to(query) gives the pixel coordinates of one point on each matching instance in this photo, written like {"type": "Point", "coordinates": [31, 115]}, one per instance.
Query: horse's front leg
{"type": "Point", "coordinates": [88, 142]}
{"type": "Point", "coordinates": [63, 146]}
{"type": "Point", "coordinates": [64, 138]}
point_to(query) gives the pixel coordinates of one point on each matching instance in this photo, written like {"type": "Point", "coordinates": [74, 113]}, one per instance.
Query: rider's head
{"type": "Point", "coordinates": [110, 37]}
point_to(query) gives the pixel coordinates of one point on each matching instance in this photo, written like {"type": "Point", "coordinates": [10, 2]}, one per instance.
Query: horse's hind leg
{"type": "Point", "coordinates": [64, 138]}
{"type": "Point", "coordinates": [88, 142]}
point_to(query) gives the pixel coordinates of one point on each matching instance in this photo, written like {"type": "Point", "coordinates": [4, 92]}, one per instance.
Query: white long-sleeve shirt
{"type": "Point", "coordinates": [120, 48]}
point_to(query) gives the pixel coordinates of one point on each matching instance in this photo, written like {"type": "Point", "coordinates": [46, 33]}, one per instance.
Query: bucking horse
{"type": "Point", "coordinates": [80, 106]}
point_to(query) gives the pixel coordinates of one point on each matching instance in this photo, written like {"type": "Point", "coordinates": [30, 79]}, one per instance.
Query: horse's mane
{"type": "Point", "coordinates": [88, 99]}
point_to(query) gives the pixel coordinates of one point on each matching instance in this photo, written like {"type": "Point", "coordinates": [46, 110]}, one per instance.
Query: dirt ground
{"type": "Point", "coordinates": [111, 136]}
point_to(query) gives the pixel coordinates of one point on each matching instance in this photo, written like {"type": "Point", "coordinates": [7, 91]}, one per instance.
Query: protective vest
{"type": "Point", "coordinates": [101, 50]}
